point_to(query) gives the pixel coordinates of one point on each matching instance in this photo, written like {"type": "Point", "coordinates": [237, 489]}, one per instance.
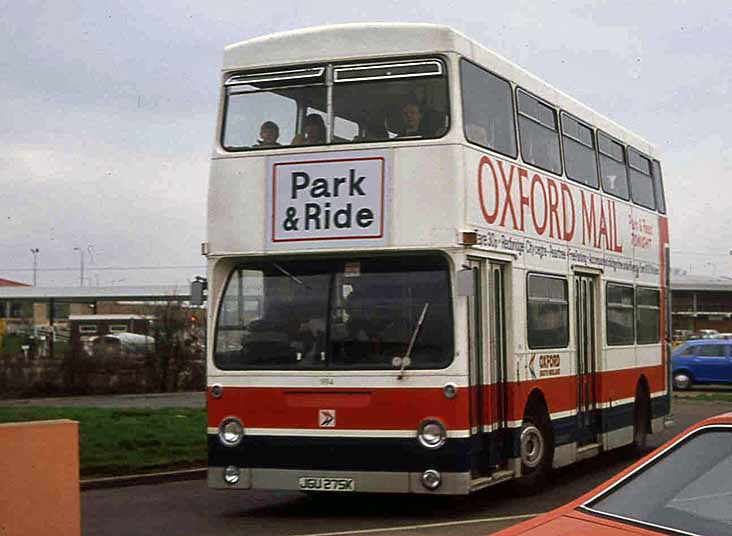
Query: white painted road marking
{"type": "Point", "coordinates": [426, 526]}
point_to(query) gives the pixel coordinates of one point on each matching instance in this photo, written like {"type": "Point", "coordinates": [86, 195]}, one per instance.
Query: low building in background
{"type": "Point", "coordinates": [72, 340]}
{"type": "Point", "coordinates": [700, 303]}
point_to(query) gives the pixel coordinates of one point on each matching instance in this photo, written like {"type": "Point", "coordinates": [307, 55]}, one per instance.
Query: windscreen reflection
{"type": "Point", "coordinates": [687, 490]}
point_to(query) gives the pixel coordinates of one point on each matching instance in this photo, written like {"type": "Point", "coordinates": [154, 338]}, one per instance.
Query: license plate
{"type": "Point", "coordinates": [308, 483]}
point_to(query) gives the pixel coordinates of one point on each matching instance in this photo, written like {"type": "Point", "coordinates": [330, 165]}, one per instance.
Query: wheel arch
{"type": "Point", "coordinates": [536, 406]}
{"type": "Point", "coordinates": [686, 370]}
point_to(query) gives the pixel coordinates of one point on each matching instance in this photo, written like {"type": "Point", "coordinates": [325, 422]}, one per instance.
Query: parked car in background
{"type": "Point", "coordinates": [121, 343]}
{"type": "Point", "coordinates": [704, 334]}
{"type": "Point", "coordinates": [681, 488]}
{"type": "Point", "coordinates": [681, 335]}
{"type": "Point", "coordinates": [702, 361]}
{"type": "Point", "coordinates": [724, 336]}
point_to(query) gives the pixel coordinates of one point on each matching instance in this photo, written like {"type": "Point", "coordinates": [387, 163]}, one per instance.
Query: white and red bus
{"type": "Point", "coordinates": [429, 271]}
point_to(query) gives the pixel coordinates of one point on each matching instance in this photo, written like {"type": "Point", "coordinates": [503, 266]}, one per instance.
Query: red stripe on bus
{"type": "Point", "coordinates": [387, 409]}
{"type": "Point", "coordinates": [404, 408]}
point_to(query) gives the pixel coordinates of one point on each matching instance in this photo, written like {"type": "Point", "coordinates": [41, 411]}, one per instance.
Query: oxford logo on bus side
{"type": "Point", "coordinates": [338, 196]}
{"type": "Point", "coordinates": [327, 418]}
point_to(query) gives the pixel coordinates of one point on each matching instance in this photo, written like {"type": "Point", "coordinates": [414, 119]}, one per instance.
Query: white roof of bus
{"type": "Point", "coordinates": [355, 41]}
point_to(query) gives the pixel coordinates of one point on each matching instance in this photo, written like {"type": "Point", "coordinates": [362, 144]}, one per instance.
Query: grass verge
{"type": "Point", "coordinates": [708, 397]}
{"type": "Point", "coordinates": [128, 441]}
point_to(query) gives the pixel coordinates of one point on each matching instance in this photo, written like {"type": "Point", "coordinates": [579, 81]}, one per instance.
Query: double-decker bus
{"type": "Point", "coordinates": [428, 270]}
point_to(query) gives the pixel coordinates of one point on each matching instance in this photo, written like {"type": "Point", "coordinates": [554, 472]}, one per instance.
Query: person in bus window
{"type": "Point", "coordinates": [313, 131]}
{"type": "Point", "coordinates": [412, 118]}
{"type": "Point", "coordinates": [269, 132]}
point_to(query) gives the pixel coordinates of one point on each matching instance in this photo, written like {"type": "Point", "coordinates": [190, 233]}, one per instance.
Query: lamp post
{"type": "Point", "coordinates": [81, 266]}
{"type": "Point", "coordinates": [35, 251]}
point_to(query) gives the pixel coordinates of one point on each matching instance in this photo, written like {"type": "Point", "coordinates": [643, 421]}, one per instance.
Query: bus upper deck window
{"type": "Point", "coordinates": [396, 100]}
{"type": "Point", "coordinates": [538, 133]}
{"type": "Point", "coordinates": [658, 186]}
{"type": "Point", "coordinates": [263, 110]}
{"type": "Point", "coordinates": [613, 171]}
{"type": "Point", "coordinates": [487, 109]}
{"type": "Point", "coordinates": [370, 102]}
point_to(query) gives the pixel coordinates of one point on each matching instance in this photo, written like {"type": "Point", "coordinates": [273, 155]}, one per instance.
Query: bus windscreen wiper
{"type": "Point", "coordinates": [415, 333]}
{"type": "Point", "coordinates": [288, 274]}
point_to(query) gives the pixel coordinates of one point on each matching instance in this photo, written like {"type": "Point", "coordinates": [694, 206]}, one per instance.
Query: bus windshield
{"type": "Point", "coordinates": [367, 103]}
{"type": "Point", "coordinates": [335, 314]}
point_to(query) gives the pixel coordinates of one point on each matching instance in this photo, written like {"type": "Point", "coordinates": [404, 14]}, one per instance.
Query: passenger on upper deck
{"type": "Point", "coordinates": [268, 134]}
{"type": "Point", "coordinates": [412, 117]}
{"type": "Point", "coordinates": [421, 122]}
{"type": "Point", "coordinates": [313, 131]}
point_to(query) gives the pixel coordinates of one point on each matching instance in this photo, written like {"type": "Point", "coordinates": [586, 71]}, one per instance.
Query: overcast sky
{"type": "Point", "coordinates": [108, 110]}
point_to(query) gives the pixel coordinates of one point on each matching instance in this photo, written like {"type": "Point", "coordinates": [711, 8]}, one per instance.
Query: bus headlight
{"type": "Point", "coordinates": [431, 434]}
{"type": "Point", "coordinates": [231, 431]}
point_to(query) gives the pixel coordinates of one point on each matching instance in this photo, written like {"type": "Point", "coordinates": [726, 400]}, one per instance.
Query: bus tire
{"type": "Point", "coordinates": [536, 448]}
{"type": "Point", "coordinates": [641, 421]}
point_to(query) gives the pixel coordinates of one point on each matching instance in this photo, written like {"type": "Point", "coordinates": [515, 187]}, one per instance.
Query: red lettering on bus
{"type": "Point", "coordinates": [536, 179]}
{"type": "Point", "coordinates": [553, 209]}
{"type": "Point", "coordinates": [588, 220]}
{"type": "Point", "coordinates": [523, 199]}
{"type": "Point", "coordinates": [490, 218]}
{"type": "Point", "coordinates": [550, 203]}
{"type": "Point", "coordinates": [602, 232]}
{"type": "Point", "coordinates": [507, 201]}
{"type": "Point", "coordinates": [618, 248]}
{"type": "Point", "coordinates": [567, 202]}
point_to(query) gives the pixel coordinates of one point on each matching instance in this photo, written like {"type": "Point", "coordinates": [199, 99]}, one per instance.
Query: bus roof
{"type": "Point", "coordinates": [372, 40]}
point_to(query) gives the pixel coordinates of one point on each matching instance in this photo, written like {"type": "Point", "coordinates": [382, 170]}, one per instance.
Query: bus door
{"type": "Point", "coordinates": [487, 358]}
{"type": "Point", "coordinates": [586, 315]}
{"type": "Point", "coordinates": [476, 314]}
{"type": "Point", "coordinates": [497, 367]}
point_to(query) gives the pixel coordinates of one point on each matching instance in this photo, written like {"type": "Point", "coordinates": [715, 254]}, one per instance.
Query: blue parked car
{"type": "Point", "coordinates": [702, 361]}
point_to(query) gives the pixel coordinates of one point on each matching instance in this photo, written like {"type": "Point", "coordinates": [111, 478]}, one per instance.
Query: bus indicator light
{"type": "Point", "coordinates": [469, 238]}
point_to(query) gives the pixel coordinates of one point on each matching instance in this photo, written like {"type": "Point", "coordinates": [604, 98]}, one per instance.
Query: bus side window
{"type": "Point", "coordinates": [620, 314]}
{"type": "Point", "coordinates": [538, 133]}
{"type": "Point", "coordinates": [641, 181]}
{"type": "Point", "coordinates": [487, 109]}
{"type": "Point", "coordinates": [658, 186]}
{"type": "Point", "coordinates": [613, 171]}
{"type": "Point", "coordinates": [580, 156]}
{"type": "Point", "coordinates": [547, 311]}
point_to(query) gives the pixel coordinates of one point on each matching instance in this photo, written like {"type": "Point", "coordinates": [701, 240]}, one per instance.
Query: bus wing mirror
{"type": "Point", "coordinates": [466, 282]}
{"type": "Point", "coordinates": [198, 289]}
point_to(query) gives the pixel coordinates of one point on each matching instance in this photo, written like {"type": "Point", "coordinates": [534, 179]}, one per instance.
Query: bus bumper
{"type": "Point", "coordinates": [347, 481]}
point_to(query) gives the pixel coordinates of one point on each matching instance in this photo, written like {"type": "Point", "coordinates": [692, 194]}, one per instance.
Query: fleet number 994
{"type": "Point", "coordinates": [327, 484]}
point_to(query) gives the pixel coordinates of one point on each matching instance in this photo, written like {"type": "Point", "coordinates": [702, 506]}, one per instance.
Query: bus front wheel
{"type": "Point", "coordinates": [536, 451]}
